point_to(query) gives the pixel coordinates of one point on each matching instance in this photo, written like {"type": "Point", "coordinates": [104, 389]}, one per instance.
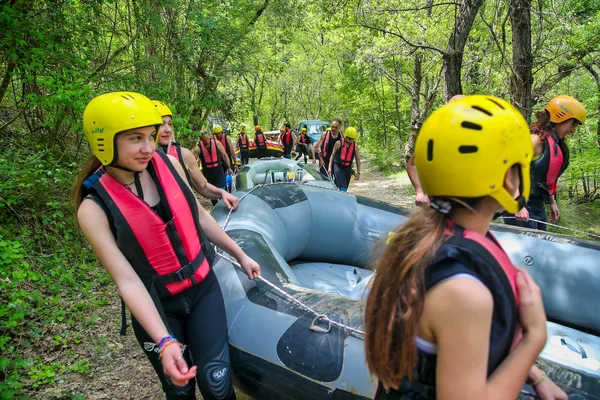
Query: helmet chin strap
{"type": "Point", "coordinates": [122, 168]}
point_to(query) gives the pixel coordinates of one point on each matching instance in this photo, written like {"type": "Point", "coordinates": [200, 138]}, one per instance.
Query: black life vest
{"type": "Point", "coordinates": [169, 257]}
{"type": "Point", "coordinates": [546, 170]}
{"type": "Point", "coordinates": [482, 257]}
{"type": "Point", "coordinates": [243, 141]}
{"type": "Point", "coordinates": [329, 142]}
{"type": "Point", "coordinates": [261, 143]}
{"type": "Point", "coordinates": [209, 156]}
{"type": "Point", "coordinates": [345, 156]}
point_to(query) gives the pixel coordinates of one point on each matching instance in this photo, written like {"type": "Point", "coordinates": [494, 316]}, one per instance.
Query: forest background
{"type": "Point", "coordinates": [381, 66]}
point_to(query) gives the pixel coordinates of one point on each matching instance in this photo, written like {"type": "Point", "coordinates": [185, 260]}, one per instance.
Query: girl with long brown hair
{"type": "Point", "coordinates": [148, 231]}
{"type": "Point", "coordinates": [448, 315]}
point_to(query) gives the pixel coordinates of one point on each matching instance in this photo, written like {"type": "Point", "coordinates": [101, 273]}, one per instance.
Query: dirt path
{"type": "Point", "coordinates": [121, 370]}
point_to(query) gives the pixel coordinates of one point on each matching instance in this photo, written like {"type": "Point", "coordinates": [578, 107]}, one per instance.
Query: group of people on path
{"type": "Point", "coordinates": [448, 315]}
{"type": "Point", "coordinates": [559, 119]}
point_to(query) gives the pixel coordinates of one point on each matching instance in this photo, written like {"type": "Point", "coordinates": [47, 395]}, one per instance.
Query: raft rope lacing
{"type": "Point", "coordinates": [318, 316]}
{"type": "Point", "coordinates": [557, 226]}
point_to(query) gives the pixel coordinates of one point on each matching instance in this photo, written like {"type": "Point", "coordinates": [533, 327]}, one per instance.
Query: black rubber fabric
{"type": "Point", "coordinates": [279, 196]}
{"type": "Point", "coordinates": [319, 356]}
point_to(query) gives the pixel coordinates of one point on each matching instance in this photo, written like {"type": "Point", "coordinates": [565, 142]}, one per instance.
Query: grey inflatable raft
{"type": "Point", "coordinates": [272, 170]}
{"type": "Point", "coordinates": [316, 245]}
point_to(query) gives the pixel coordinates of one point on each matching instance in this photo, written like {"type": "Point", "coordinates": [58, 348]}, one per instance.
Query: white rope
{"type": "Point", "coordinates": [280, 291]}
{"type": "Point", "coordinates": [293, 299]}
{"type": "Point", "coordinates": [557, 226]}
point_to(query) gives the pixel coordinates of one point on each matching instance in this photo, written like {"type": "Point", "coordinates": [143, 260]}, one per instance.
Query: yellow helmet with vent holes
{"type": "Point", "coordinates": [162, 108]}
{"type": "Point", "coordinates": [108, 114]}
{"type": "Point", "coordinates": [466, 147]}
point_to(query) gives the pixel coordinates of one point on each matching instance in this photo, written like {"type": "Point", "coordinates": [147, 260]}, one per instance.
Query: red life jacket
{"type": "Point", "coordinates": [346, 154]}
{"type": "Point", "coordinates": [546, 170]}
{"type": "Point", "coordinates": [209, 159]}
{"type": "Point", "coordinates": [223, 141]}
{"type": "Point", "coordinates": [302, 138]}
{"type": "Point", "coordinates": [286, 138]}
{"type": "Point", "coordinates": [243, 141]}
{"type": "Point", "coordinates": [556, 162]}
{"type": "Point", "coordinates": [168, 254]}
{"type": "Point", "coordinates": [175, 151]}
{"type": "Point", "coordinates": [260, 140]}
{"type": "Point", "coordinates": [328, 138]}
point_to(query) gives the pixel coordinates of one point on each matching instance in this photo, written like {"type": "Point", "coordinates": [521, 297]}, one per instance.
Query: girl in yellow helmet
{"type": "Point", "coordinates": [448, 315]}
{"type": "Point", "coordinates": [560, 118]}
{"type": "Point", "coordinates": [166, 142]}
{"type": "Point", "coordinates": [343, 154]}
{"type": "Point", "coordinates": [149, 232]}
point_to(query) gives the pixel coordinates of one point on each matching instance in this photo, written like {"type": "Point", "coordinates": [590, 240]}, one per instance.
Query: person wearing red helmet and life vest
{"type": "Point", "coordinates": [260, 141]}
{"type": "Point", "coordinates": [448, 315]}
{"type": "Point", "coordinates": [302, 145]}
{"type": "Point", "coordinates": [147, 229]}
{"type": "Point", "coordinates": [166, 142]}
{"type": "Point", "coordinates": [325, 145]}
{"type": "Point", "coordinates": [243, 144]}
{"type": "Point", "coordinates": [560, 118]}
{"type": "Point", "coordinates": [219, 135]}
{"type": "Point", "coordinates": [342, 156]}
{"type": "Point", "coordinates": [212, 155]}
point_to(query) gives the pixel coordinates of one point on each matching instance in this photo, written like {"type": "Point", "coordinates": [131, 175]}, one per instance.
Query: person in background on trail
{"type": "Point", "coordinates": [125, 198]}
{"type": "Point", "coordinates": [463, 322]}
{"type": "Point", "coordinates": [260, 141]}
{"type": "Point", "coordinates": [421, 198]}
{"type": "Point", "coordinates": [211, 154]}
{"type": "Point", "coordinates": [288, 139]}
{"type": "Point", "coordinates": [227, 145]}
{"type": "Point", "coordinates": [560, 118]}
{"type": "Point", "coordinates": [167, 143]}
{"type": "Point", "coordinates": [243, 144]}
{"type": "Point", "coordinates": [302, 145]}
{"type": "Point", "coordinates": [325, 145]}
{"type": "Point", "coordinates": [342, 156]}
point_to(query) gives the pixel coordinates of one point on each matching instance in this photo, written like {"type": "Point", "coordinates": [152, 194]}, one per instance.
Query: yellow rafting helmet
{"type": "Point", "coordinates": [303, 130]}
{"type": "Point", "coordinates": [562, 108]}
{"type": "Point", "coordinates": [162, 108]}
{"type": "Point", "coordinates": [108, 114]}
{"type": "Point", "coordinates": [257, 128]}
{"type": "Point", "coordinates": [466, 148]}
{"type": "Point", "coordinates": [217, 128]}
{"type": "Point", "coordinates": [351, 133]}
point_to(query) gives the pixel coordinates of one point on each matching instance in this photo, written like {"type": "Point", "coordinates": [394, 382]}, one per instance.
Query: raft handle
{"type": "Point", "coordinates": [319, 329]}
{"type": "Point", "coordinates": [573, 346]}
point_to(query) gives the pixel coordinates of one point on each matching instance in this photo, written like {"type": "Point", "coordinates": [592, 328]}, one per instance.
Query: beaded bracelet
{"type": "Point", "coordinates": [160, 356]}
{"type": "Point", "coordinates": [164, 340]}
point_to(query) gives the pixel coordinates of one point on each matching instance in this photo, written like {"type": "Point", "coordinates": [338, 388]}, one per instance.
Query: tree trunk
{"type": "Point", "coordinates": [596, 76]}
{"type": "Point", "coordinates": [415, 111]}
{"type": "Point", "coordinates": [453, 56]}
{"type": "Point", "coordinates": [521, 80]}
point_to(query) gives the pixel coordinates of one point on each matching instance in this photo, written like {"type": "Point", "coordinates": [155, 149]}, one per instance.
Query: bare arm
{"type": "Point", "coordinates": [232, 150]}
{"type": "Point", "coordinates": [357, 156]}
{"type": "Point", "coordinates": [336, 147]}
{"type": "Point", "coordinates": [199, 182]}
{"type": "Point", "coordinates": [317, 146]}
{"type": "Point", "coordinates": [461, 315]}
{"type": "Point", "coordinates": [224, 155]}
{"type": "Point", "coordinates": [421, 198]}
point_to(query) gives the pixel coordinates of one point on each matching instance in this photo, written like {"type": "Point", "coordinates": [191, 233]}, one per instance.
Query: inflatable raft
{"type": "Point", "coordinates": [275, 170]}
{"type": "Point", "coordinates": [316, 245]}
{"type": "Point", "coordinates": [274, 149]}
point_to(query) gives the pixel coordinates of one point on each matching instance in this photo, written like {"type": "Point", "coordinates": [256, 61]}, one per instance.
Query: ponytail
{"type": "Point", "coordinates": [396, 299]}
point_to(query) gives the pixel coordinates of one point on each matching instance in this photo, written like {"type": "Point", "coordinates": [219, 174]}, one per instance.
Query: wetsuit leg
{"type": "Point", "coordinates": [206, 331]}
{"type": "Point", "coordinates": [342, 176]}
{"type": "Point", "coordinates": [172, 392]}
{"type": "Point", "coordinates": [216, 177]}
